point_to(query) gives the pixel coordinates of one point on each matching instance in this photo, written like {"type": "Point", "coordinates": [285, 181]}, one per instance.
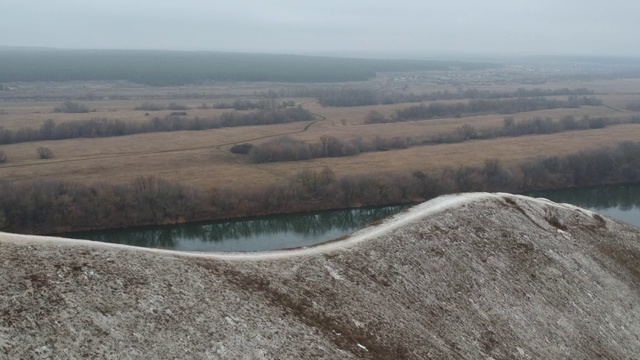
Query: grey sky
{"type": "Point", "coordinates": [584, 27]}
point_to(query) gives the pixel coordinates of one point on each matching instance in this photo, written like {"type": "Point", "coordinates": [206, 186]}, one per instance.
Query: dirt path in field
{"type": "Point", "coordinates": [614, 108]}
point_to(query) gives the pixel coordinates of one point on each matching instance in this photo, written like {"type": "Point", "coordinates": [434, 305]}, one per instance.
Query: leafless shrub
{"type": "Point", "coordinates": [44, 153]}
{"type": "Point", "coordinates": [71, 107]}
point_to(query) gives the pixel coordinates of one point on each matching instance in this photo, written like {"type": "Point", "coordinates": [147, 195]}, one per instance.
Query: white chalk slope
{"type": "Point", "coordinates": [466, 276]}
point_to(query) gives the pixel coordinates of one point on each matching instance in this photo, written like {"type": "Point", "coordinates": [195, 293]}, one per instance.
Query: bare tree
{"type": "Point", "coordinates": [71, 107]}
{"type": "Point", "coordinates": [44, 153]}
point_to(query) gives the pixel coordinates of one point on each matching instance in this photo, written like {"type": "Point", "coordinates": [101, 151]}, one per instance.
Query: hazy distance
{"type": "Point", "coordinates": [401, 28]}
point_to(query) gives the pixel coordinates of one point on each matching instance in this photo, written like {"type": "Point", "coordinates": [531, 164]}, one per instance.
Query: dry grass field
{"type": "Point", "coordinates": [203, 158]}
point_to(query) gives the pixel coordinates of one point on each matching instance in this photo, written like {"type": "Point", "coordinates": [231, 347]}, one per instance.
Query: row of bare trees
{"type": "Point", "coordinates": [57, 206]}
{"type": "Point", "coordinates": [286, 148]}
{"type": "Point", "coordinates": [289, 149]}
{"type": "Point", "coordinates": [103, 127]}
{"type": "Point", "coordinates": [438, 110]}
{"type": "Point", "coordinates": [362, 97]}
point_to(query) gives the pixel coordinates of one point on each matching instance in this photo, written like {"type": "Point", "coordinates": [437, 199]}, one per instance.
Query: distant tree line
{"type": "Point", "coordinates": [166, 68]}
{"type": "Point", "coordinates": [363, 97]}
{"type": "Point", "coordinates": [265, 104]}
{"type": "Point", "coordinates": [288, 149]}
{"type": "Point", "coordinates": [102, 127]}
{"type": "Point", "coordinates": [535, 126]}
{"type": "Point", "coordinates": [439, 110]}
{"type": "Point", "coordinates": [148, 106]}
{"type": "Point", "coordinates": [51, 206]}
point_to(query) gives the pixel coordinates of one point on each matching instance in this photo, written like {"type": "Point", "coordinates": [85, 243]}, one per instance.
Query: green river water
{"type": "Point", "coordinates": [259, 234]}
{"type": "Point", "coordinates": [288, 231]}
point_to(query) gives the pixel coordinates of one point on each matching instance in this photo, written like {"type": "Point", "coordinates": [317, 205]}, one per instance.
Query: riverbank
{"type": "Point", "coordinates": [491, 274]}
{"type": "Point", "coordinates": [50, 207]}
{"type": "Point", "coordinates": [256, 234]}
{"type": "Point", "coordinates": [621, 202]}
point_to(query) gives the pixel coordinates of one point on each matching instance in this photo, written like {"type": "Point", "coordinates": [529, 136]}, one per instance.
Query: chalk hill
{"type": "Point", "coordinates": [467, 276]}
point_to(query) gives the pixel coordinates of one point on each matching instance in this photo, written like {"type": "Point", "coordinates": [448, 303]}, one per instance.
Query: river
{"type": "Point", "coordinates": [259, 234]}
{"type": "Point", "coordinates": [621, 202]}
{"type": "Point", "coordinates": [288, 231]}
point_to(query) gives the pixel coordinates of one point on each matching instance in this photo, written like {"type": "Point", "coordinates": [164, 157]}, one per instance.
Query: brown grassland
{"type": "Point", "coordinates": [202, 158]}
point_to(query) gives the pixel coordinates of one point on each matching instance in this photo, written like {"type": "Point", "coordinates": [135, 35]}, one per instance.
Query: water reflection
{"type": "Point", "coordinates": [618, 201]}
{"type": "Point", "coordinates": [624, 197]}
{"type": "Point", "coordinates": [275, 232]}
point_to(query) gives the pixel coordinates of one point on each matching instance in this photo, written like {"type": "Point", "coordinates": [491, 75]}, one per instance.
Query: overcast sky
{"type": "Point", "coordinates": [572, 27]}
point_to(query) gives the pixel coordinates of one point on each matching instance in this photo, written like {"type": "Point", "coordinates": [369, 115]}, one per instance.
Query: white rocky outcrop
{"type": "Point", "coordinates": [466, 276]}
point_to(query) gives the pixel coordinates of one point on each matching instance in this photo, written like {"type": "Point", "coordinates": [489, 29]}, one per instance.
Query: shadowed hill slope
{"type": "Point", "coordinates": [468, 276]}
